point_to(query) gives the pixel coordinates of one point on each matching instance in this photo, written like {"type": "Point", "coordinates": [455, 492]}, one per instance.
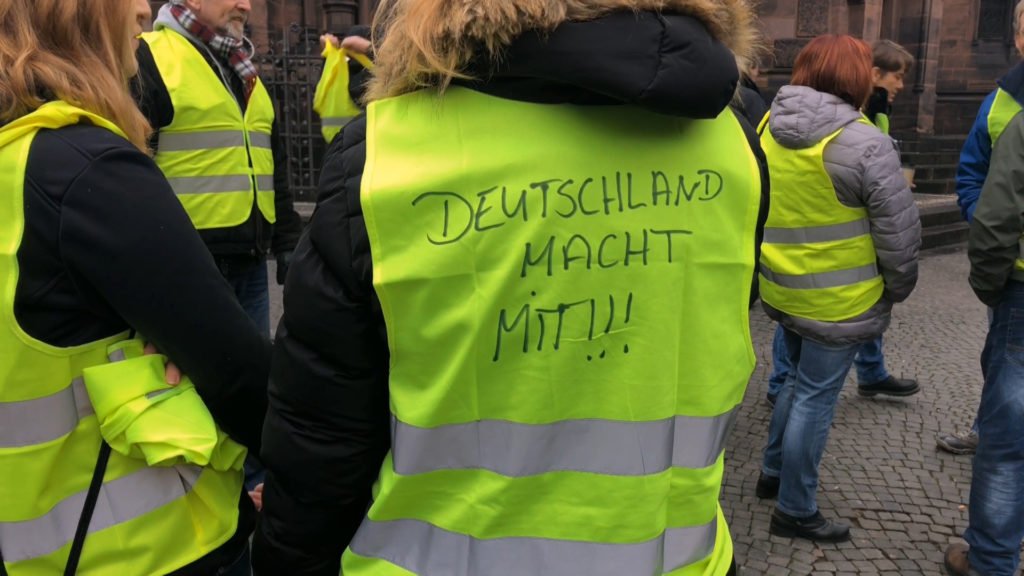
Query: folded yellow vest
{"type": "Point", "coordinates": [141, 416]}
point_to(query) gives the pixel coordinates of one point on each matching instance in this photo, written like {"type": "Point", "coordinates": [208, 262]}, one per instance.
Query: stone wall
{"type": "Point", "coordinates": [961, 46]}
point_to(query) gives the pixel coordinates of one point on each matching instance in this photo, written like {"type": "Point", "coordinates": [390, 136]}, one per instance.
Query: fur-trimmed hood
{"type": "Point", "coordinates": [428, 43]}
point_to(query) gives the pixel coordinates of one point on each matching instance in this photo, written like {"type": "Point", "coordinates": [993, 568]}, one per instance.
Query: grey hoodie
{"type": "Point", "coordinates": [865, 169]}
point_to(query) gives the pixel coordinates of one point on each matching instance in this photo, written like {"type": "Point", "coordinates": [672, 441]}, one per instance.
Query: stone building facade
{"type": "Point", "coordinates": [961, 46]}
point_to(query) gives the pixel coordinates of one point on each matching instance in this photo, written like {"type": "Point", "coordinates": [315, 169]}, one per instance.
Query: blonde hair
{"type": "Point", "coordinates": [428, 43]}
{"type": "Point", "coordinates": [79, 51]}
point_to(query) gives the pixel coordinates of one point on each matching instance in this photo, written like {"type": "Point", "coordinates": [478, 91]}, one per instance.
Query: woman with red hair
{"type": "Point", "coordinates": [840, 247]}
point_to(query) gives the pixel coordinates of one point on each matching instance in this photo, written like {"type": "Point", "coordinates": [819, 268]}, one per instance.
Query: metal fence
{"type": "Point", "coordinates": [290, 68]}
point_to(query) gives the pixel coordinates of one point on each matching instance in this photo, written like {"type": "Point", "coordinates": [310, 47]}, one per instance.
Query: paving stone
{"type": "Point", "coordinates": [881, 471]}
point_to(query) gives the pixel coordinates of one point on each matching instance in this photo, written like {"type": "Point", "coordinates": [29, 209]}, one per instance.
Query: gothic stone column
{"type": "Point", "coordinates": [340, 14]}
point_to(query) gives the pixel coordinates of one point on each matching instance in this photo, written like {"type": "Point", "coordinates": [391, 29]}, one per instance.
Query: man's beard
{"type": "Point", "coordinates": [234, 29]}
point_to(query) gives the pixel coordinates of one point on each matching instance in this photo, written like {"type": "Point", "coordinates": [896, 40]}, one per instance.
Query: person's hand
{"type": "Point", "coordinates": [172, 374]}
{"type": "Point", "coordinates": [284, 260]}
{"type": "Point", "coordinates": [256, 494]}
{"type": "Point", "coordinates": [356, 44]}
{"type": "Point", "coordinates": [325, 38]}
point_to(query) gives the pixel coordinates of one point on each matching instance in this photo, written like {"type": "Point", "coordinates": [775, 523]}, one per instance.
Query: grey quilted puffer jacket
{"type": "Point", "coordinates": [866, 171]}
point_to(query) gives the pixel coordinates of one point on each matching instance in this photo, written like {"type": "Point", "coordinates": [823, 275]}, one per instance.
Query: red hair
{"type": "Point", "coordinates": [838, 65]}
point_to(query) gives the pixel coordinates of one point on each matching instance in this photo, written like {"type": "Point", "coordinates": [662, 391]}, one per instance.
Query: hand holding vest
{"type": "Point", "coordinates": [141, 416]}
{"type": "Point", "coordinates": [332, 100]}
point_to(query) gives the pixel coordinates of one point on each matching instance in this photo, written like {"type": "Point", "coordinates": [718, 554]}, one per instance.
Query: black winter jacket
{"type": "Point", "coordinates": [327, 428]}
{"type": "Point", "coordinates": [256, 236]}
{"type": "Point", "coordinates": [107, 247]}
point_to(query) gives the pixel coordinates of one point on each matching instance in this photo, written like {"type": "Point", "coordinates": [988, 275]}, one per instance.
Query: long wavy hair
{"type": "Point", "coordinates": [427, 43]}
{"type": "Point", "coordinates": [79, 51]}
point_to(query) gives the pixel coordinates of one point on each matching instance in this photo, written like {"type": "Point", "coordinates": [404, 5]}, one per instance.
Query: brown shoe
{"type": "Point", "coordinates": [956, 561]}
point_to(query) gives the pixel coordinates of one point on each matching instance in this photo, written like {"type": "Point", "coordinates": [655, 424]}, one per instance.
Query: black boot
{"type": "Point", "coordinates": [767, 487]}
{"type": "Point", "coordinates": [815, 528]}
{"type": "Point", "coordinates": [891, 386]}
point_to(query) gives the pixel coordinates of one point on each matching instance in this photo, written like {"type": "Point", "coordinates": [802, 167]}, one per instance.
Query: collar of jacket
{"type": "Point", "coordinates": [666, 63]}
{"type": "Point", "coordinates": [1013, 83]}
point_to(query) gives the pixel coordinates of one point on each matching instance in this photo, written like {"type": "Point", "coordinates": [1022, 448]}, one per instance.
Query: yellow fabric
{"type": "Point", "coordinates": [1004, 108]}
{"type": "Point", "coordinates": [144, 417]}
{"type": "Point", "coordinates": [803, 197]}
{"type": "Point", "coordinates": [37, 478]}
{"type": "Point", "coordinates": [203, 104]}
{"type": "Point", "coordinates": [332, 100]}
{"type": "Point", "coordinates": [882, 122]}
{"type": "Point", "coordinates": [464, 195]}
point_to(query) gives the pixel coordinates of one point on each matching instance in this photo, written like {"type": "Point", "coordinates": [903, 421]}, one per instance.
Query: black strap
{"type": "Point", "coordinates": [90, 505]}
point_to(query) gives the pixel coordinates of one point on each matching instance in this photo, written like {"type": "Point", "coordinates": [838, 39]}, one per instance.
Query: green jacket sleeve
{"type": "Point", "coordinates": [993, 244]}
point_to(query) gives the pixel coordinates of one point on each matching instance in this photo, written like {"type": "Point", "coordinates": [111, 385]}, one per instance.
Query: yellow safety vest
{"type": "Point", "coordinates": [148, 520]}
{"type": "Point", "coordinates": [817, 258]}
{"type": "Point", "coordinates": [215, 159]}
{"type": "Point", "coordinates": [332, 100]}
{"type": "Point", "coordinates": [565, 290]}
{"type": "Point", "coordinates": [1004, 108]}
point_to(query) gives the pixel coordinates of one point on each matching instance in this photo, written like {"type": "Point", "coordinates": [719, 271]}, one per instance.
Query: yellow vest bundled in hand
{"type": "Point", "coordinates": [332, 100]}
{"type": "Point", "coordinates": [142, 416]}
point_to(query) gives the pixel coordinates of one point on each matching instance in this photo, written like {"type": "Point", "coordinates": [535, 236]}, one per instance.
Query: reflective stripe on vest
{"type": "Point", "coordinates": [209, 140]}
{"type": "Point", "coordinates": [119, 501]}
{"type": "Point", "coordinates": [332, 99]}
{"type": "Point", "coordinates": [44, 419]}
{"type": "Point", "coordinates": [566, 322]}
{"type": "Point", "coordinates": [49, 434]}
{"type": "Point", "coordinates": [216, 159]}
{"type": "Point", "coordinates": [817, 259]}
{"type": "Point", "coordinates": [1004, 108]}
{"type": "Point", "coordinates": [597, 446]}
{"type": "Point", "coordinates": [674, 549]}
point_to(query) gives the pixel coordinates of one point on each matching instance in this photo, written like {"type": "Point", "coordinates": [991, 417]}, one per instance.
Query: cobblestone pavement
{"type": "Point", "coordinates": [881, 471]}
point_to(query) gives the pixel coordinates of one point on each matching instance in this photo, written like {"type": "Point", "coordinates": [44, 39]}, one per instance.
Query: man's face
{"type": "Point", "coordinates": [891, 81]}
{"type": "Point", "coordinates": [143, 15]}
{"type": "Point", "coordinates": [227, 17]}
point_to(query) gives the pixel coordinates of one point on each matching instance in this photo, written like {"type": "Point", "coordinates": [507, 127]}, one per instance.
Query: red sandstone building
{"type": "Point", "coordinates": [962, 47]}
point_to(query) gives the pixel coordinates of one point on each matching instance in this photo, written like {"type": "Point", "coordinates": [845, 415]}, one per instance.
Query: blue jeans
{"type": "Point", "coordinates": [996, 525]}
{"type": "Point", "coordinates": [253, 293]}
{"type": "Point", "coordinates": [802, 418]}
{"type": "Point", "coordinates": [870, 363]}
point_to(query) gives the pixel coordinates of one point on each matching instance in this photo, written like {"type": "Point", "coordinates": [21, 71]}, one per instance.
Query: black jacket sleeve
{"type": "Point", "coordinates": [128, 245]}
{"type": "Point", "coordinates": [289, 225]}
{"type": "Point", "coordinates": [754, 141]}
{"type": "Point", "coordinates": [326, 431]}
{"type": "Point", "coordinates": [151, 93]}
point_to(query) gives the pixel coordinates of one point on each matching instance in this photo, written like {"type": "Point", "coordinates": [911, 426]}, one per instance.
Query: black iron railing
{"type": "Point", "coordinates": [290, 68]}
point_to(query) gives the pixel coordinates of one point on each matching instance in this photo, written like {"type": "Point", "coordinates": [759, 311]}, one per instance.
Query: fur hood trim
{"type": "Point", "coordinates": [427, 43]}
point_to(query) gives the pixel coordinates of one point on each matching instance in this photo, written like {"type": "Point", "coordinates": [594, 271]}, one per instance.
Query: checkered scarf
{"type": "Point", "coordinates": [223, 46]}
